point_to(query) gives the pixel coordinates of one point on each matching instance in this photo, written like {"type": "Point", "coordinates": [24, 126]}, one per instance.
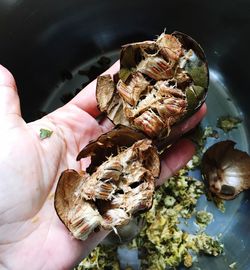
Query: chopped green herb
{"type": "Point", "coordinates": [207, 244]}
{"type": "Point", "coordinates": [161, 240]}
{"type": "Point", "coordinates": [194, 163]}
{"type": "Point", "coordinates": [45, 133]}
{"type": "Point", "coordinates": [165, 244]}
{"type": "Point", "coordinates": [188, 260]}
{"type": "Point", "coordinates": [169, 201]}
{"type": "Point", "coordinates": [203, 218]}
{"type": "Point", "coordinates": [210, 132]}
{"type": "Point", "coordinates": [220, 204]}
{"type": "Point", "coordinates": [101, 258]}
{"type": "Point", "coordinates": [199, 137]}
{"type": "Point", "coordinates": [227, 123]}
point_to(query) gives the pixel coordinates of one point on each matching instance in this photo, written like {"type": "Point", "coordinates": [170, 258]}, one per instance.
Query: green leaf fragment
{"type": "Point", "coordinates": [124, 73]}
{"type": "Point", "coordinates": [45, 133]}
{"type": "Point", "coordinates": [227, 123]}
{"type": "Point", "coordinates": [194, 95]}
{"type": "Point", "coordinates": [101, 258]}
{"type": "Point", "coordinates": [191, 98]}
{"type": "Point", "coordinates": [199, 75]}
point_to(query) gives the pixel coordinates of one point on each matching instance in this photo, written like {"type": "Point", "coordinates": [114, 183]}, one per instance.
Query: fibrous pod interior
{"type": "Point", "coordinates": [117, 187]}
{"type": "Point", "coordinates": [226, 170]}
{"type": "Point", "coordinates": [160, 83]}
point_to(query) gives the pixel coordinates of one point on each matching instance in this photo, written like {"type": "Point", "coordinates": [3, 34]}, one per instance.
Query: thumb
{"type": "Point", "coordinates": [9, 100]}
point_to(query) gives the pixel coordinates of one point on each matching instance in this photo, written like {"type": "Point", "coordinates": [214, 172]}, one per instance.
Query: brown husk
{"type": "Point", "coordinates": [160, 83]}
{"type": "Point", "coordinates": [118, 186]}
{"type": "Point", "coordinates": [226, 170]}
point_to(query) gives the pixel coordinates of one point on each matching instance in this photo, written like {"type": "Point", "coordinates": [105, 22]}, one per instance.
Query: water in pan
{"type": "Point", "coordinates": [234, 224]}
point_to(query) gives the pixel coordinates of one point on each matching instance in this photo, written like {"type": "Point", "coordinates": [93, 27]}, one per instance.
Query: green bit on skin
{"type": "Point", "coordinates": [45, 133]}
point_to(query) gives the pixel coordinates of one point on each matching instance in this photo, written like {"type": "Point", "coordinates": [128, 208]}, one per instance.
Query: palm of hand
{"type": "Point", "coordinates": [31, 172]}
{"type": "Point", "coordinates": [31, 234]}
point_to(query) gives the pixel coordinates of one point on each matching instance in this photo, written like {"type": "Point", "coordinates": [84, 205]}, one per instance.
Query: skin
{"type": "Point", "coordinates": [31, 234]}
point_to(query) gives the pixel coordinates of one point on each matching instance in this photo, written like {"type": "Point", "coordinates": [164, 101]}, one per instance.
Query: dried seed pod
{"type": "Point", "coordinates": [160, 83]}
{"type": "Point", "coordinates": [226, 170]}
{"type": "Point", "coordinates": [120, 182]}
{"type": "Point", "coordinates": [70, 207]}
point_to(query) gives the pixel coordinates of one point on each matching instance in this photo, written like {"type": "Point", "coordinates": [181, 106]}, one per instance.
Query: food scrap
{"type": "Point", "coordinates": [203, 218]}
{"type": "Point", "coordinates": [45, 133]}
{"type": "Point", "coordinates": [218, 202]}
{"type": "Point", "coordinates": [233, 266]}
{"type": "Point", "coordinates": [226, 170]}
{"type": "Point", "coordinates": [227, 123]}
{"type": "Point", "coordinates": [101, 258]}
{"type": "Point", "coordinates": [199, 136]}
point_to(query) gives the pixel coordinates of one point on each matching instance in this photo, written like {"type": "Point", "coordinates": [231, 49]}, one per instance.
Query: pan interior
{"type": "Point", "coordinates": [220, 102]}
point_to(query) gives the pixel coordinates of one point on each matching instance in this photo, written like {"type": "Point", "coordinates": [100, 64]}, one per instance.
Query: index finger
{"type": "Point", "coordinates": [86, 99]}
{"type": "Point", "coordinates": [175, 158]}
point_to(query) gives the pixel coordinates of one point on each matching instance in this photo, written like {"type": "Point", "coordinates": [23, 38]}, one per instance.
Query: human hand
{"type": "Point", "coordinates": [31, 234]}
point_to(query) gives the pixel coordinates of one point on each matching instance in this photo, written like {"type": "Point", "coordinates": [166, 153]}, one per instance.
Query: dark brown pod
{"type": "Point", "coordinates": [121, 181]}
{"type": "Point", "coordinates": [160, 83]}
{"type": "Point", "coordinates": [108, 144]}
{"type": "Point", "coordinates": [226, 170]}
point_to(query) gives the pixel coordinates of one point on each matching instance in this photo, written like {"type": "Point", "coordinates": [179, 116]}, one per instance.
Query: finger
{"type": "Point", "coordinates": [106, 125]}
{"type": "Point", "coordinates": [188, 124]}
{"type": "Point", "coordinates": [9, 100]}
{"type": "Point", "coordinates": [86, 99]}
{"type": "Point", "coordinates": [93, 240]}
{"type": "Point", "coordinates": [175, 158]}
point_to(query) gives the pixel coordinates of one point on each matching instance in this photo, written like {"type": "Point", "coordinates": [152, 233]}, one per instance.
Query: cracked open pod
{"type": "Point", "coordinates": [159, 84]}
{"type": "Point", "coordinates": [119, 182]}
{"type": "Point", "coordinates": [226, 170]}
